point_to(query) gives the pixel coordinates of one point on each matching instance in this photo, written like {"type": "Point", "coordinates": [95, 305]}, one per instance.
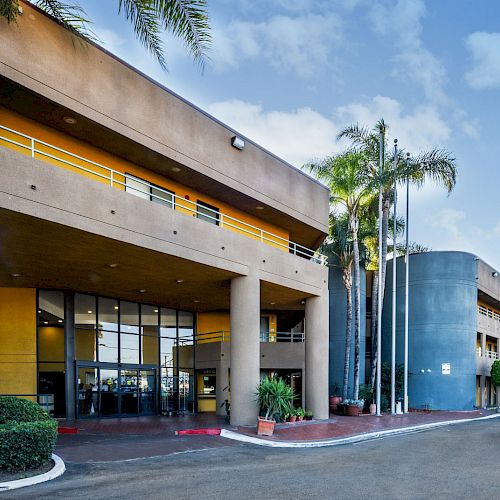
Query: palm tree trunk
{"type": "Point", "coordinates": [374, 319]}
{"type": "Point", "coordinates": [348, 287]}
{"type": "Point", "coordinates": [357, 313]}
{"type": "Point", "coordinates": [386, 207]}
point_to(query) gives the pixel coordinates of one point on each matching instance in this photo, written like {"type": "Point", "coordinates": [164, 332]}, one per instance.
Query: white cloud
{"type": "Point", "coordinates": [485, 52]}
{"type": "Point", "coordinates": [450, 221]}
{"type": "Point", "coordinates": [302, 45]}
{"type": "Point", "coordinates": [497, 229]}
{"type": "Point", "coordinates": [110, 40]}
{"type": "Point", "coordinates": [303, 134]}
{"type": "Point", "coordinates": [402, 20]}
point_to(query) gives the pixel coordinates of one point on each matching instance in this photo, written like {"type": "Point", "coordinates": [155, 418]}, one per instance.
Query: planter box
{"type": "Point", "coordinates": [353, 410]}
{"type": "Point", "coordinates": [265, 427]}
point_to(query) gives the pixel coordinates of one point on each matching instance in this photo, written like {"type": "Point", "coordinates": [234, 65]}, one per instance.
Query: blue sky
{"type": "Point", "coordinates": [290, 75]}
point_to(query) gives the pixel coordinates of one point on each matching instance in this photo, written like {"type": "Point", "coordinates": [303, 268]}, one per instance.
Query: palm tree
{"type": "Point", "coordinates": [340, 245]}
{"type": "Point", "coordinates": [350, 188]}
{"type": "Point", "coordinates": [185, 19]}
{"type": "Point", "coordinates": [437, 165]}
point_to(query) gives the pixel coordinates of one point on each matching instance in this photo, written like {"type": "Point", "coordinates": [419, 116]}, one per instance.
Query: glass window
{"type": "Point", "coordinates": [168, 351]}
{"type": "Point", "coordinates": [88, 392]}
{"type": "Point", "coordinates": [108, 330]}
{"type": "Point", "coordinates": [108, 346]}
{"type": "Point", "coordinates": [162, 196]}
{"type": "Point", "coordinates": [129, 317]}
{"type": "Point", "coordinates": [108, 384]}
{"type": "Point", "coordinates": [85, 325]}
{"type": "Point", "coordinates": [136, 186]}
{"type": "Point", "coordinates": [149, 338]}
{"type": "Point", "coordinates": [50, 320]}
{"type": "Point", "coordinates": [108, 314]}
{"type": "Point", "coordinates": [129, 348]}
{"type": "Point", "coordinates": [129, 391]}
{"type": "Point", "coordinates": [207, 212]}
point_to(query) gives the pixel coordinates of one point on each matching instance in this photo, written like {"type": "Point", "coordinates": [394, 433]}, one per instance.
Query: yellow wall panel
{"type": "Point", "coordinates": [18, 341]}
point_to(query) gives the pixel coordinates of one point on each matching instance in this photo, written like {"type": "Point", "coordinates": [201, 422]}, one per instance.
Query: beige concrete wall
{"type": "Point", "coordinates": [486, 281]}
{"type": "Point", "coordinates": [63, 197]}
{"type": "Point", "coordinates": [43, 57]}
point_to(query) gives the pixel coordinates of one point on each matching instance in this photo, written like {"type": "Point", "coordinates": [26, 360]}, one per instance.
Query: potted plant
{"type": "Point", "coordinates": [275, 398]}
{"type": "Point", "coordinates": [366, 393]}
{"type": "Point", "coordinates": [300, 414]}
{"type": "Point", "coordinates": [293, 416]}
{"type": "Point", "coordinates": [335, 399]}
{"type": "Point", "coordinates": [308, 415]}
{"type": "Point", "coordinates": [354, 407]}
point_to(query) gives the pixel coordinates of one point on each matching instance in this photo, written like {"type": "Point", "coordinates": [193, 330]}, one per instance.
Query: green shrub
{"type": "Point", "coordinates": [14, 409]}
{"type": "Point", "coordinates": [27, 434]}
{"type": "Point", "coordinates": [275, 398]}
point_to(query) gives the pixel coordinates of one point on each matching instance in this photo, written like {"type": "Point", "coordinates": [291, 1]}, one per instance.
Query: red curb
{"type": "Point", "coordinates": [67, 430]}
{"type": "Point", "coordinates": [205, 432]}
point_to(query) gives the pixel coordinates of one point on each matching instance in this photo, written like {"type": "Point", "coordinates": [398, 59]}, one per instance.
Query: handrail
{"type": "Point", "coordinates": [490, 313]}
{"type": "Point", "coordinates": [113, 176]}
{"type": "Point", "coordinates": [487, 354]}
{"type": "Point", "coordinates": [225, 336]}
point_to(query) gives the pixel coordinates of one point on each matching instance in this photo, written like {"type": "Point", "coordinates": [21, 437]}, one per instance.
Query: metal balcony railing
{"type": "Point", "coordinates": [42, 150]}
{"type": "Point", "coordinates": [490, 313]}
{"type": "Point", "coordinates": [487, 354]}
{"type": "Point", "coordinates": [225, 336]}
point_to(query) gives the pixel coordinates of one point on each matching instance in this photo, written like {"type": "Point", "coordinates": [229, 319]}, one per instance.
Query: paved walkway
{"type": "Point", "coordinates": [115, 439]}
{"type": "Point", "coordinates": [341, 426]}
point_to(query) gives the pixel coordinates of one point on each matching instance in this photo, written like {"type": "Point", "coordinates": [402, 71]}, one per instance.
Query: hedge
{"type": "Point", "coordinates": [27, 434]}
{"type": "Point", "coordinates": [26, 445]}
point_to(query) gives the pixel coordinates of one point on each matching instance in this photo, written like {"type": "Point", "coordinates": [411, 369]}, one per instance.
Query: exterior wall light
{"type": "Point", "coordinates": [238, 142]}
{"type": "Point", "coordinates": [494, 274]}
{"type": "Point", "coordinates": [69, 120]}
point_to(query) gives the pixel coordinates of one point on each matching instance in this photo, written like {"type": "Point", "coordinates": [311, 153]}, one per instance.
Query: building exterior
{"type": "Point", "coordinates": [454, 327]}
{"type": "Point", "coordinates": [147, 265]}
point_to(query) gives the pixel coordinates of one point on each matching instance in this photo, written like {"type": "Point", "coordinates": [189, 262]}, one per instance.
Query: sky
{"type": "Point", "coordinates": [290, 75]}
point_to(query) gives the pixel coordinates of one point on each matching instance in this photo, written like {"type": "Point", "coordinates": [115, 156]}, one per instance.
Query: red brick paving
{"type": "Point", "coordinates": [341, 426]}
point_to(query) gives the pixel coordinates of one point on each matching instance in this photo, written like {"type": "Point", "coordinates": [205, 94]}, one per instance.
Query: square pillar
{"type": "Point", "coordinates": [222, 386]}
{"type": "Point", "coordinates": [482, 389]}
{"type": "Point", "coordinates": [245, 349]}
{"type": "Point", "coordinates": [317, 345]}
{"type": "Point", "coordinates": [483, 345]}
{"type": "Point", "coordinates": [69, 355]}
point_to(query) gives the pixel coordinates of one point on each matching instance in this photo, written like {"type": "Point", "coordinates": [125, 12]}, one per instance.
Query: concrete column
{"type": "Point", "coordinates": [482, 388]}
{"type": "Point", "coordinates": [222, 386]}
{"type": "Point", "coordinates": [316, 336]}
{"type": "Point", "coordinates": [245, 349]}
{"type": "Point", "coordinates": [69, 354]}
{"type": "Point", "coordinates": [483, 345]}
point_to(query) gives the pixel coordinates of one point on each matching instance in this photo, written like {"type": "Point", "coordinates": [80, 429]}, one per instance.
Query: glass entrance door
{"type": "Point", "coordinates": [106, 392]}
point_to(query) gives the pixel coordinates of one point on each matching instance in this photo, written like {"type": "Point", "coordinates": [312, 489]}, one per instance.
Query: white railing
{"type": "Point", "coordinates": [36, 148]}
{"type": "Point", "coordinates": [490, 313]}
{"type": "Point", "coordinates": [487, 354]}
{"type": "Point", "coordinates": [225, 336]}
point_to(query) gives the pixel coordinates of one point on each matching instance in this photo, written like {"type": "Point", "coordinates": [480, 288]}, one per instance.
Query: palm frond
{"type": "Point", "coordinates": [69, 15]}
{"type": "Point", "coordinates": [188, 20]}
{"type": "Point", "coordinates": [144, 19]}
{"type": "Point", "coordinates": [9, 9]}
{"type": "Point", "coordinates": [438, 165]}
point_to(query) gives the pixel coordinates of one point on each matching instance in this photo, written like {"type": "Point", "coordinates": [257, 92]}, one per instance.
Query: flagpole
{"type": "Point", "coordinates": [380, 274]}
{"type": "Point", "coordinates": [394, 254]}
{"type": "Point", "coordinates": [407, 288]}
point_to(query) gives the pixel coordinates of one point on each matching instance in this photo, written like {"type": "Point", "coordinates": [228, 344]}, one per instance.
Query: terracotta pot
{"type": "Point", "coordinates": [353, 410]}
{"type": "Point", "coordinates": [373, 409]}
{"type": "Point", "coordinates": [293, 418]}
{"type": "Point", "coordinates": [334, 401]}
{"type": "Point", "coordinates": [265, 427]}
{"type": "Point", "coordinates": [300, 418]}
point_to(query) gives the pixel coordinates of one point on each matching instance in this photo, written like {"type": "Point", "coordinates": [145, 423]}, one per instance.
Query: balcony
{"type": "Point", "coordinates": [488, 319]}
{"type": "Point", "coordinates": [265, 337]}
{"type": "Point", "coordinates": [49, 153]}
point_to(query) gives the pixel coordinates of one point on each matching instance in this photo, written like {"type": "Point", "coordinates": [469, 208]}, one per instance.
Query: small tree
{"type": "Point", "coordinates": [495, 379]}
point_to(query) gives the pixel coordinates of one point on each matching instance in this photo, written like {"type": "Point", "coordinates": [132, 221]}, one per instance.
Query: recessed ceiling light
{"type": "Point", "coordinates": [142, 290]}
{"type": "Point", "coordinates": [156, 310]}
{"type": "Point", "coordinates": [15, 275]}
{"type": "Point", "coordinates": [179, 281]}
{"type": "Point", "coordinates": [196, 301]}
{"type": "Point", "coordinates": [69, 120]}
{"type": "Point", "coordinates": [39, 311]}
{"type": "Point", "coordinates": [176, 169]}
{"type": "Point", "coordinates": [59, 320]}
{"type": "Point", "coordinates": [90, 312]}
{"type": "Point", "coordinates": [259, 207]}
{"type": "Point", "coordinates": [272, 303]}
{"type": "Point", "coordinates": [45, 322]}
{"type": "Point", "coordinates": [112, 266]}
{"type": "Point", "coordinates": [116, 307]}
